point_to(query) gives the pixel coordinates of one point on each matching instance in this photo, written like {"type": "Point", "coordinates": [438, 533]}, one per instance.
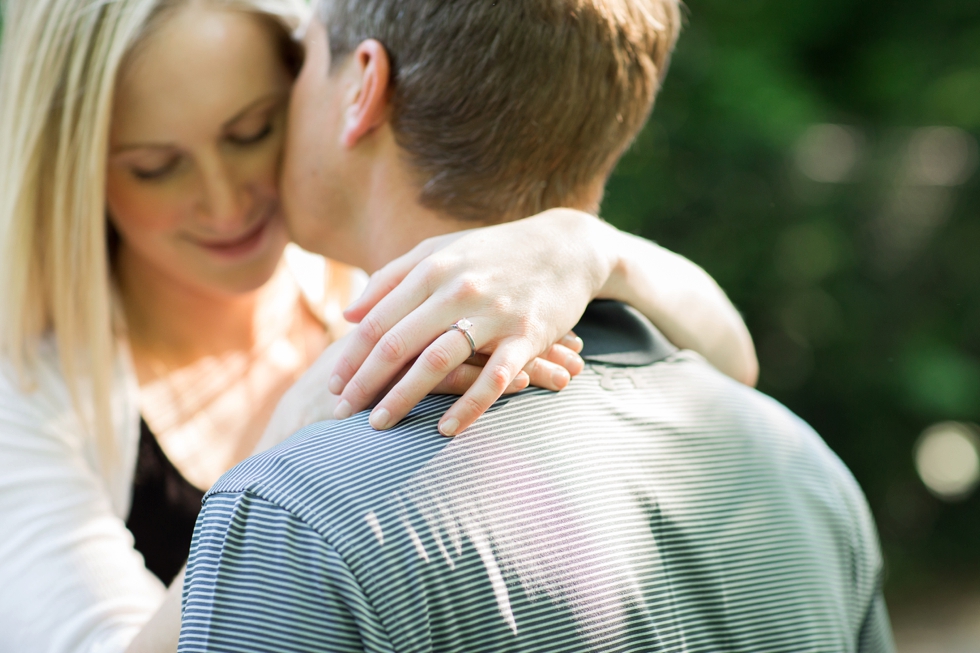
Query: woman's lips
{"type": "Point", "coordinates": [240, 245]}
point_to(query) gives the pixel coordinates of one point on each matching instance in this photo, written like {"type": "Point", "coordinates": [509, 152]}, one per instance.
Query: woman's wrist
{"type": "Point", "coordinates": [626, 281]}
{"type": "Point", "coordinates": [596, 249]}
{"type": "Point", "coordinates": [681, 299]}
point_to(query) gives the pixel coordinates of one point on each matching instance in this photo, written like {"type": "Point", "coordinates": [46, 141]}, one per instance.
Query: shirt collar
{"type": "Point", "coordinates": [617, 334]}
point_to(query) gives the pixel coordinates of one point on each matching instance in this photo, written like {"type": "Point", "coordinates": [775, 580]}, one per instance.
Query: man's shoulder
{"type": "Point", "coordinates": [671, 461]}
{"type": "Point", "coordinates": [329, 470]}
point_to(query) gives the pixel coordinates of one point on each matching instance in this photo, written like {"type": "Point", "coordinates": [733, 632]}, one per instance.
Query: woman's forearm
{"type": "Point", "coordinates": [161, 632]}
{"type": "Point", "coordinates": [683, 301]}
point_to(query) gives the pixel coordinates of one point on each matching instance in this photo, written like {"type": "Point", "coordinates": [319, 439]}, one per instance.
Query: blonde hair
{"type": "Point", "coordinates": [59, 60]}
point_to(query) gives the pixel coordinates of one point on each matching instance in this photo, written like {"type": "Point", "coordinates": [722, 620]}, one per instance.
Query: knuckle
{"type": "Point", "coordinates": [471, 407]}
{"type": "Point", "coordinates": [356, 391]}
{"type": "Point", "coordinates": [466, 288]}
{"type": "Point", "coordinates": [499, 377]}
{"type": "Point", "coordinates": [392, 348]}
{"type": "Point", "coordinates": [433, 266]}
{"type": "Point", "coordinates": [371, 328]}
{"type": "Point", "coordinates": [432, 271]}
{"type": "Point", "coordinates": [438, 359]}
{"type": "Point", "coordinates": [533, 330]}
{"type": "Point", "coordinates": [502, 304]}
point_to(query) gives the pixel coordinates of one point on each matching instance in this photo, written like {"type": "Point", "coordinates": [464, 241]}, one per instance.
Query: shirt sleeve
{"type": "Point", "coordinates": [260, 579]}
{"type": "Point", "coordinates": [876, 631]}
{"type": "Point", "coordinates": [70, 579]}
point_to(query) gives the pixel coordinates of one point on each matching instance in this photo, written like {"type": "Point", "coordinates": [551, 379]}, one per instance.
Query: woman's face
{"type": "Point", "coordinates": [196, 137]}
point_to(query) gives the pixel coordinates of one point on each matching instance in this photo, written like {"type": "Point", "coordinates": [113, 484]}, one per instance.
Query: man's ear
{"type": "Point", "coordinates": [368, 109]}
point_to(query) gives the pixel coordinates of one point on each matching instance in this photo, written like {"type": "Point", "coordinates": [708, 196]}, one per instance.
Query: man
{"type": "Point", "coordinates": [652, 505]}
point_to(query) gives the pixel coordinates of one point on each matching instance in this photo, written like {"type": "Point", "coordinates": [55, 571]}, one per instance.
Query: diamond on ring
{"type": "Point", "coordinates": [464, 326]}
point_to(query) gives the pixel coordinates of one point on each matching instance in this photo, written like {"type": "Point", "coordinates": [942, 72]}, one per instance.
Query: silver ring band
{"type": "Point", "coordinates": [464, 326]}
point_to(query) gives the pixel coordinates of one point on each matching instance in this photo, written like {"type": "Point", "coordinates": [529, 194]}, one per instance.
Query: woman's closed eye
{"type": "Point", "coordinates": [156, 172]}
{"type": "Point", "coordinates": [251, 137]}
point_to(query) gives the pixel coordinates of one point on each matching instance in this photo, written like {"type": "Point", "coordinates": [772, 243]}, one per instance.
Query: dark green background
{"type": "Point", "coordinates": [868, 341]}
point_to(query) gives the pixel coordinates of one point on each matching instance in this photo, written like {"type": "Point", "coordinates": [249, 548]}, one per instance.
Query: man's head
{"type": "Point", "coordinates": [469, 112]}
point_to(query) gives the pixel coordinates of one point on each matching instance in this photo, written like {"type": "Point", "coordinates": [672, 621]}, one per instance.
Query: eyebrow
{"type": "Point", "coordinates": [275, 95]}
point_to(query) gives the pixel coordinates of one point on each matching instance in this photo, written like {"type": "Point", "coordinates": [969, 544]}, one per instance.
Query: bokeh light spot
{"type": "Point", "coordinates": [947, 459]}
{"type": "Point", "coordinates": [828, 153]}
{"type": "Point", "coordinates": [941, 156]}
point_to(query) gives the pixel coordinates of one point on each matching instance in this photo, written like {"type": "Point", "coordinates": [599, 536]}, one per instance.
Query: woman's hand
{"type": "Point", "coordinates": [522, 285]}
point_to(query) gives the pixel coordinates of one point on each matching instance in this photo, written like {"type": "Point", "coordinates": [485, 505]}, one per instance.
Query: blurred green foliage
{"type": "Point", "coordinates": [852, 251]}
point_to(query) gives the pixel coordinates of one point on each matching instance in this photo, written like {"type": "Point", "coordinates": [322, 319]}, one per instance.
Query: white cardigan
{"type": "Point", "coordinates": [71, 580]}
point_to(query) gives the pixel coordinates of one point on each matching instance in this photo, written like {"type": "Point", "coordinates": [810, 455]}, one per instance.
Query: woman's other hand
{"type": "Point", "coordinates": [309, 400]}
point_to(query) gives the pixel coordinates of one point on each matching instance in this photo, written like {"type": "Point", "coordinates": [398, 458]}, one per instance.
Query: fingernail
{"type": "Point", "coordinates": [449, 427]}
{"type": "Point", "coordinates": [380, 419]}
{"type": "Point", "coordinates": [343, 410]}
{"type": "Point", "coordinates": [336, 385]}
{"type": "Point", "coordinates": [574, 363]}
{"type": "Point", "coordinates": [560, 378]}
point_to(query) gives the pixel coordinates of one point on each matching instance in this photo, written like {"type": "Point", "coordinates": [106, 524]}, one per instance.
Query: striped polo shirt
{"type": "Point", "coordinates": [653, 505]}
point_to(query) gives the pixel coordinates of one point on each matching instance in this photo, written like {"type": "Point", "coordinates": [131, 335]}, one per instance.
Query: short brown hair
{"type": "Point", "coordinates": [509, 107]}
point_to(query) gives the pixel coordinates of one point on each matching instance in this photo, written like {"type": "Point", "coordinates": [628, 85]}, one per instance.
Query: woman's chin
{"type": "Point", "coordinates": [248, 274]}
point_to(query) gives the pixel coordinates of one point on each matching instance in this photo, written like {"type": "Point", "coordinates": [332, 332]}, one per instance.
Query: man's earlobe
{"type": "Point", "coordinates": [368, 109]}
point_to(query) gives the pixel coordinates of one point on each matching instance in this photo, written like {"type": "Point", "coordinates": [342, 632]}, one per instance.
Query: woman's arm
{"type": "Point", "coordinates": [523, 285]}
{"type": "Point", "coordinates": [161, 633]}
{"type": "Point", "coordinates": [683, 301]}
{"type": "Point", "coordinates": [71, 580]}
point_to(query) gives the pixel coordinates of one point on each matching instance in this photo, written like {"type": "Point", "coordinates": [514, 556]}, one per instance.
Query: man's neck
{"type": "Point", "coordinates": [394, 220]}
{"type": "Point", "coordinates": [390, 221]}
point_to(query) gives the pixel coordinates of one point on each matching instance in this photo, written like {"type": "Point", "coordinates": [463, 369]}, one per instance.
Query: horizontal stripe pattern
{"type": "Point", "coordinates": [655, 508]}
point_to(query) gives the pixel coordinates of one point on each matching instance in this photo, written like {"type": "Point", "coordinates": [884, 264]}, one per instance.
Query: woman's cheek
{"type": "Point", "coordinates": [139, 212]}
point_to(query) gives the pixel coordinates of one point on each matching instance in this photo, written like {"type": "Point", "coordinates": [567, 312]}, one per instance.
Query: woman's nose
{"type": "Point", "coordinates": [225, 201]}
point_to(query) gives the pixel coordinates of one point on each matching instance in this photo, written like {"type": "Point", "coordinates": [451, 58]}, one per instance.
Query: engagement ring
{"type": "Point", "coordinates": [464, 326]}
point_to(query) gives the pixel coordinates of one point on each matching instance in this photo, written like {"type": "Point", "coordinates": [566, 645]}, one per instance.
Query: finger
{"type": "Point", "coordinates": [503, 366]}
{"type": "Point", "coordinates": [383, 282]}
{"type": "Point", "coordinates": [463, 377]}
{"type": "Point", "coordinates": [410, 336]}
{"type": "Point", "coordinates": [520, 382]}
{"type": "Point", "coordinates": [545, 374]}
{"type": "Point", "coordinates": [568, 359]}
{"type": "Point", "coordinates": [573, 342]}
{"type": "Point", "coordinates": [439, 359]}
{"type": "Point", "coordinates": [390, 310]}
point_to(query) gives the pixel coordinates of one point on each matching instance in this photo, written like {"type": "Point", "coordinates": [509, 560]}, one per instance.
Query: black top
{"type": "Point", "coordinates": [164, 509]}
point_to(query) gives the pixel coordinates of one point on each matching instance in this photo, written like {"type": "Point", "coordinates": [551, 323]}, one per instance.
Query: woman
{"type": "Point", "coordinates": [151, 320]}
